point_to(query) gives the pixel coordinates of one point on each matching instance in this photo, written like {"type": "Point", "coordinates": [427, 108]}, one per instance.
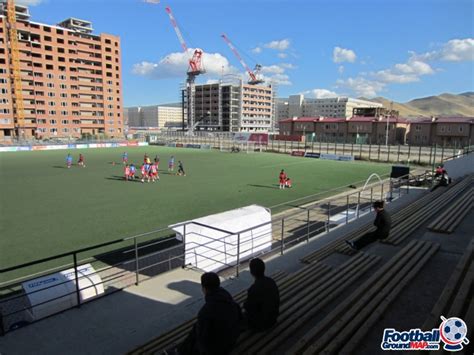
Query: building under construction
{"type": "Point", "coordinates": [57, 80]}
{"type": "Point", "coordinates": [231, 105]}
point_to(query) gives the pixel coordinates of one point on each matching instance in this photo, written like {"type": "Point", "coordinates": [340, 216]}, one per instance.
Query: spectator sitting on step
{"type": "Point", "coordinates": [383, 222]}
{"type": "Point", "coordinates": [218, 322]}
{"type": "Point", "coordinates": [262, 306]}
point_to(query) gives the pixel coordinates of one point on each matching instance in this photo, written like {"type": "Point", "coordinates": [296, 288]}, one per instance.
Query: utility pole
{"type": "Point", "coordinates": [388, 121]}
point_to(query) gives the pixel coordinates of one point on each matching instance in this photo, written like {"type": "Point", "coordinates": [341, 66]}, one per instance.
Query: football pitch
{"type": "Point", "coordinates": [47, 209]}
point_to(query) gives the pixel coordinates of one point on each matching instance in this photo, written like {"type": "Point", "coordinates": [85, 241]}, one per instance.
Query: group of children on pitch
{"type": "Point", "coordinates": [285, 180]}
{"type": "Point", "coordinates": [81, 161]}
{"type": "Point", "coordinates": [149, 169]}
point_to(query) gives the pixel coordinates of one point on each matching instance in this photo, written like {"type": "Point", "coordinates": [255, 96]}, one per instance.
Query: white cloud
{"type": "Point", "coordinates": [279, 79]}
{"type": "Point", "coordinates": [361, 86]}
{"type": "Point", "coordinates": [340, 55]}
{"type": "Point", "coordinates": [287, 66]}
{"type": "Point", "coordinates": [280, 45]}
{"type": "Point", "coordinates": [414, 66]}
{"type": "Point", "coordinates": [28, 2]}
{"type": "Point", "coordinates": [175, 65]}
{"type": "Point", "coordinates": [152, 1]}
{"type": "Point", "coordinates": [257, 50]}
{"type": "Point", "coordinates": [272, 69]}
{"type": "Point", "coordinates": [320, 93]}
{"type": "Point", "coordinates": [340, 69]}
{"type": "Point", "coordinates": [455, 50]}
{"type": "Point", "coordinates": [282, 55]}
{"type": "Point", "coordinates": [403, 73]}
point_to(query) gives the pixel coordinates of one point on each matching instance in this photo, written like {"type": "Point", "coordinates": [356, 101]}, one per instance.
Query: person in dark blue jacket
{"type": "Point", "coordinates": [218, 322]}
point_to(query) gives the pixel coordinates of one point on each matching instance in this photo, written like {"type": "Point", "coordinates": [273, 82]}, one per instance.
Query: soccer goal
{"type": "Point", "coordinates": [239, 147]}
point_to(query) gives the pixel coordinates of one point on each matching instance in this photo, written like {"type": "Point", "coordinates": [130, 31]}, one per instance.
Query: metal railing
{"type": "Point", "coordinates": [127, 261]}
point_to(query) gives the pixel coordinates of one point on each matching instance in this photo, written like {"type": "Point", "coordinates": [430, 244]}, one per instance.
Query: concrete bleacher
{"type": "Point", "coordinates": [359, 292]}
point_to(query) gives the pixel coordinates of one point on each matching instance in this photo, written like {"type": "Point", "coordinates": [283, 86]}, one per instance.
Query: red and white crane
{"type": "Point", "coordinates": [195, 62]}
{"type": "Point", "coordinates": [254, 80]}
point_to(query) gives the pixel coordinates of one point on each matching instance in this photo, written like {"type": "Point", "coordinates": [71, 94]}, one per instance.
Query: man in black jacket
{"type": "Point", "coordinates": [263, 299]}
{"type": "Point", "coordinates": [218, 322]}
{"type": "Point", "coordinates": [383, 223]}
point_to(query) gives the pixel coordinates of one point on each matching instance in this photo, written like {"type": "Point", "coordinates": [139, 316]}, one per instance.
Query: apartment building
{"type": "Point", "coordinates": [71, 80]}
{"type": "Point", "coordinates": [233, 106]}
{"type": "Point", "coordinates": [443, 131]}
{"type": "Point", "coordinates": [155, 116]}
{"type": "Point", "coordinates": [350, 130]}
{"type": "Point", "coordinates": [337, 107]}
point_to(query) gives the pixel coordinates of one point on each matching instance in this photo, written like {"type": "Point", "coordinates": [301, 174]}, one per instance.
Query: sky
{"type": "Point", "coordinates": [399, 49]}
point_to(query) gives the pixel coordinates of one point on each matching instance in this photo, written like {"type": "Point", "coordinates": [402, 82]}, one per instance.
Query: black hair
{"type": "Point", "coordinates": [210, 281]}
{"type": "Point", "coordinates": [257, 267]}
{"type": "Point", "coordinates": [378, 204]}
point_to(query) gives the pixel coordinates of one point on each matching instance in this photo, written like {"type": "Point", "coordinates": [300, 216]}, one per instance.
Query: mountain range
{"type": "Point", "coordinates": [441, 105]}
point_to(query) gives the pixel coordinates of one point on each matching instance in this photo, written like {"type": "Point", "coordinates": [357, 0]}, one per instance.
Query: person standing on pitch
{"type": "Point", "coordinates": [282, 178]}
{"type": "Point", "coordinates": [382, 222]}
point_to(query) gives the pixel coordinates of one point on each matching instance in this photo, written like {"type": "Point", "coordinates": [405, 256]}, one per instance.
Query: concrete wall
{"type": "Point", "coordinates": [461, 166]}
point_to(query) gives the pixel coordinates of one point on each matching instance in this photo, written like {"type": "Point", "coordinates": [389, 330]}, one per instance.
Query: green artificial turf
{"type": "Point", "coordinates": [46, 209]}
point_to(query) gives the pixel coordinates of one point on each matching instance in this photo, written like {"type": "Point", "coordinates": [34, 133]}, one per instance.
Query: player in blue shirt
{"type": "Point", "coordinates": [69, 161]}
{"type": "Point", "coordinates": [171, 163]}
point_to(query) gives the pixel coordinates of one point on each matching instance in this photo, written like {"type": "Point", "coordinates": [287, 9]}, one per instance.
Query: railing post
{"type": "Point", "coordinates": [76, 277]}
{"type": "Point", "coordinates": [381, 193]}
{"type": "Point", "coordinates": [388, 154]}
{"type": "Point", "coordinates": [409, 150]}
{"type": "Point", "coordinates": [371, 197]}
{"type": "Point", "coordinates": [137, 269]}
{"type": "Point", "coordinates": [400, 187]}
{"type": "Point", "coordinates": [358, 204]}
{"type": "Point", "coordinates": [184, 247]}
{"type": "Point", "coordinates": [282, 238]}
{"type": "Point", "coordinates": [408, 184]}
{"type": "Point", "coordinates": [238, 254]}
{"type": "Point", "coordinates": [329, 216]}
{"type": "Point", "coordinates": [398, 154]}
{"type": "Point", "coordinates": [347, 209]}
{"type": "Point", "coordinates": [370, 149]}
{"type": "Point", "coordinates": [307, 227]}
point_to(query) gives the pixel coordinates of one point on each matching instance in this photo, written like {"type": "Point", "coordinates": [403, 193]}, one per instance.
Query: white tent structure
{"type": "Point", "coordinates": [222, 240]}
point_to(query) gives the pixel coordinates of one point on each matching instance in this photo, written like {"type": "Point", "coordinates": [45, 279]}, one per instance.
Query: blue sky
{"type": "Point", "coordinates": [400, 49]}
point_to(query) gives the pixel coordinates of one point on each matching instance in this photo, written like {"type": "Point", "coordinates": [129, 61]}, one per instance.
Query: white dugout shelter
{"type": "Point", "coordinates": [225, 239]}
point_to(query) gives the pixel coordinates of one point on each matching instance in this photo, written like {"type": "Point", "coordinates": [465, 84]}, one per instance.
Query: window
{"type": "Point", "coordinates": [63, 86]}
{"type": "Point", "coordinates": [47, 38]}
{"type": "Point", "coordinates": [3, 91]}
{"type": "Point", "coordinates": [65, 130]}
{"type": "Point", "coordinates": [53, 130]}
{"type": "Point", "coordinates": [3, 71]}
{"type": "Point", "coordinates": [109, 90]}
{"type": "Point", "coordinates": [63, 104]}
{"type": "Point", "coordinates": [110, 98]}
{"type": "Point", "coordinates": [110, 106]}
{"type": "Point", "coordinates": [50, 76]}
{"type": "Point", "coordinates": [109, 82]}
{"type": "Point", "coordinates": [50, 85]}
{"type": "Point", "coordinates": [49, 67]}
{"type": "Point", "coordinates": [61, 50]}
{"type": "Point", "coordinates": [460, 129]}
{"type": "Point", "coordinates": [63, 94]}
{"type": "Point", "coordinates": [38, 75]}
{"type": "Point", "coordinates": [62, 77]}
{"type": "Point", "coordinates": [49, 57]}
{"type": "Point", "coordinates": [108, 41]}
{"type": "Point", "coordinates": [59, 32]}
{"type": "Point", "coordinates": [64, 113]}
{"type": "Point", "coordinates": [110, 114]}
{"type": "Point", "coordinates": [53, 121]}
{"type": "Point", "coordinates": [50, 94]}
{"type": "Point", "coordinates": [51, 103]}
{"type": "Point", "coordinates": [60, 40]}
{"type": "Point", "coordinates": [64, 121]}
{"type": "Point", "coordinates": [108, 57]}
{"type": "Point", "coordinates": [3, 101]}
{"type": "Point", "coordinates": [3, 81]}
{"type": "Point", "coordinates": [4, 110]}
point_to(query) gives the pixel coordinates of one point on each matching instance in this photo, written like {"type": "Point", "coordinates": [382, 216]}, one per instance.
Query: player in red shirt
{"type": "Point", "coordinates": [154, 172]}
{"type": "Point", "coordinates": [282, 178]}
{"type": "Point", "coordinates": [144, 172]}
{"type": "Point", "coordinates": [81, 161]}
{"type": "Point", "coordinates": [288, 182]}
{"type": "Point", "coordinates": [126, 172]}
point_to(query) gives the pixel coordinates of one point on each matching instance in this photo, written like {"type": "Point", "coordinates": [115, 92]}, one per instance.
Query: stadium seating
{"type": "Point", "coordinates": [177, 334]}
{"type": "Point", "coordinates": [344, 327]}
{"type": "Point", "coordinates": [305, 299]}
{"type": "Point", "coordinates": [457, 298]}
{"type": "Point", "coordinates": [447, 221]}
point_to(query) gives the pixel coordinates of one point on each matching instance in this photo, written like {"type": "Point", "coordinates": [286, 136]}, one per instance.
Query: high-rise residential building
{"type": "Point", "coordinates": [233, 106]}
{"type": "Point", "coordinates": [70, 79]}
{"type": "Point", "coordinates": [341, 107]}
{"type": "Point", "coordinates": [156, 116]}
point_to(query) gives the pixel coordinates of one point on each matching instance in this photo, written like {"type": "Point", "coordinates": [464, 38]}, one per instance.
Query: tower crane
{"type": "Point", "coordinates": [195, 68]}
{"type": "Point", "coordinates": [252, 74]}
{"type": "Point", "coordinates": [16, 70]}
